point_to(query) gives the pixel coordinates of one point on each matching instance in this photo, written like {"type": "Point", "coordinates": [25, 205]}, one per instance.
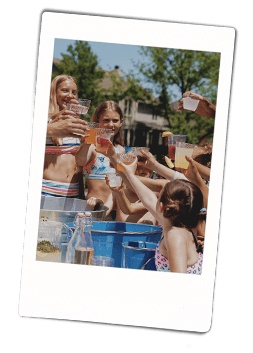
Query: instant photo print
{"type": "Point", "coordinates": [127, 289]}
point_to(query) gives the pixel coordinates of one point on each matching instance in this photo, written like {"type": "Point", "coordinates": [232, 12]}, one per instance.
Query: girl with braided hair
{"type": "Point", "coordinates": [178, 209]}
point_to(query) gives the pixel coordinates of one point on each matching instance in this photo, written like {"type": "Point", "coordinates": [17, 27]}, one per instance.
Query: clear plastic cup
{"type": "Point", "coordinates": [115, 180]}
{"type": "Point", "coordinates": [172, 140]}
{"type": "Point", "coordinates": [136, 151]}
{"type": "Point", "coordinates": [183, 149]}
{"type": "Point", "coordinates": [102, 261]}
{"type": "Point", "coordinates": [190, 104]}
{"type": "Point", "coordinates": [81, 108]}
{"type": "Point", "coordinates": [124, 158]}
{"type": "Point", "coordinates": [91, 140]}
{"type": "Point", "coordinates": [102, 139]}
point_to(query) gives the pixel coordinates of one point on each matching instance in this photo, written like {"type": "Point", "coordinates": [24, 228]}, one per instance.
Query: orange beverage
{"type": "Point", "coordinates": [94, 130]}
{"type": "Point", "coordinates": [91, 140]}
{"type": "Point", "coordinates": [120, 168]}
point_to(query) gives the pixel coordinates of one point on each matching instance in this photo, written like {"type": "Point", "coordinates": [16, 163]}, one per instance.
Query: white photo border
{"type": "Point", "coordinates": [112, 295]}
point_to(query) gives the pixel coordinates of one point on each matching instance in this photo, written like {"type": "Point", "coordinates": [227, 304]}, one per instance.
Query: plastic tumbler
{"type": "Point", "coordinates": [183, 149]}
{"type": "Point", "coordinates": [124, 158]}
{"type": "Point", "coordinates": [115, 180]}
{"type": "Point", "coordinates": [172, 140]}
{"type": "Point", "coordinates": [136, 151]}
{"type": "Point", "coordinates": [190, 104]}
{"type": "Point", "coordinates": [102, 140]}
{"type": "Point", "coordinates": [91, 140]}
{"type": "Point", "coordinates": [102, 261]}
{"type": "Point", "coordinates": [81, 108]}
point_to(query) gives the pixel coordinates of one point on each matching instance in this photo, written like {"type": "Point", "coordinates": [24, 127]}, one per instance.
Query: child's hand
{"type": "Point", "coordinates": [192, 172]}
{"type": "Point", "coordinates": [150, 159]}
{"type": "Point", "coordinates": [93, 201]}
{"type": "Point", "coordinates": [205, 107]}
{"type": "Point", "coordinates": [110, 149]}
{"type": "Point", "coordinates": [117, 188]}
{"type": "Point", "coordinates": [129, 168]}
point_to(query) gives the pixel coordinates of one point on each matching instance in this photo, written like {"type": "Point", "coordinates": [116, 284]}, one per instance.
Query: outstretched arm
{"type": "Point", "coordinates": [154, 165]}
{"type": "Point", "coordinates": [147, 197]}
{"type": "Point", "coordinates": [125, 205]}
{"type": "Point", "coordinates": [85, 154]}
{"type": "Point", "coordinates": [193, 175]}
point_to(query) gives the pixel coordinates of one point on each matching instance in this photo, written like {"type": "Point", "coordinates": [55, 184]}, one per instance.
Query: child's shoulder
{"type": "Point", "coordinates": [120, 148]}
{"type": "Point", "coordinates": [177, 235]}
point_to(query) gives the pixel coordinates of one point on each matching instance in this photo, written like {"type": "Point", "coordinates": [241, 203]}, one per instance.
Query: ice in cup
{"type": "Point", "coordinates": [115, 180]}
{"type": "Point", "coordinates": [102, 261]}
{"type": "Point", "coordinates": [183, 149]}
{"type": "Point", "coordinates": [125, 158]}
{"type": "Point", "coordinates": [102, 140]}
{"type": "Point", "coordinates": [91, 140]}
{"type": "Point", "coordinates": [81, 108]}
{"type": "Point", "coordinates": [172, 140]}
{"type": "Point", "coordinates": [190, 104]}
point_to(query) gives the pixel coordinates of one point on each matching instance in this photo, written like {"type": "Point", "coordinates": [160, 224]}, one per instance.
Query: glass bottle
{"type": "Point", "coordinates": [70, 255]}
{"type": "Point", "coordinates": [84, 248]}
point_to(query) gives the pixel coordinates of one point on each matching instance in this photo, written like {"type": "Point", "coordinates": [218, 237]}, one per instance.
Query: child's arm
{"type": "Point", "coordinates": [125, 205]}
{"type": "Point", "coordinates": [166, 172]}
{"type": "Point", "coordinates": [85, 154]}
{"type": "Point", "coordinates": [203, 171]}
{"type": "Point", "coordinates": [156, 185]}
{"type": "Point", "coordinates": [193, 175]}
{"type": "Point", "coordinates": [147, 197]}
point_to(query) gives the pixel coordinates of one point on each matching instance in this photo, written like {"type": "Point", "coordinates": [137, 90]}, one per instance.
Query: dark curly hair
{"type": "Point", "coordinates": [182, 202]}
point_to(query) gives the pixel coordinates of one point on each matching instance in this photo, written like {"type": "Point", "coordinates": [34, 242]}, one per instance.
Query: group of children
{"type": "Point", "coordinates": [177, 202]}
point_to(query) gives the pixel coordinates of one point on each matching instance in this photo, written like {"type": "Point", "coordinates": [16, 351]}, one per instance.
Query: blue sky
{"type": "Point", "coordinates": [109, 55]}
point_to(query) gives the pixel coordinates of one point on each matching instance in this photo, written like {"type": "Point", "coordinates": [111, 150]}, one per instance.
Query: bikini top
{"type": "Point", "coordinates": [98, 167]}
{"type": "Point", "coordinates": [70, 146]}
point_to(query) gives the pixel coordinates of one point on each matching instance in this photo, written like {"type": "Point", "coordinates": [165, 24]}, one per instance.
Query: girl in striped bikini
{"type": "Point", "coordinates": [61, 175]}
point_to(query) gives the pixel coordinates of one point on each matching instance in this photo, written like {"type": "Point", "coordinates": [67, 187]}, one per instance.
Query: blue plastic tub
{"type": "Point", "coordinates": [109, 236]}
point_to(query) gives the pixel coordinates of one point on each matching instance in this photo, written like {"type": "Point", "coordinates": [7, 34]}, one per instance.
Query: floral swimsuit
{"type": "Point", "coordinates": [162, 263]}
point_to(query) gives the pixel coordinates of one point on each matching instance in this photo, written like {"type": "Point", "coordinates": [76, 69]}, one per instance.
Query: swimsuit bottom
{"type": "Point", "coordinates": [59, 189]}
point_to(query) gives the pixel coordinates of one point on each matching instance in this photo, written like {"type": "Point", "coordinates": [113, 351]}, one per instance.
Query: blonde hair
{"type": "Point", "coordinates": [53, 104]}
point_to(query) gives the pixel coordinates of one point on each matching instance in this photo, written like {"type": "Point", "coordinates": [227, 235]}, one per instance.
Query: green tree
{"type": "Point", "coordinates": [125, 86]}
{"type": "Point", "coordinates": [186, 70]}
{"type": "Point", "coordinates": [82, 64]}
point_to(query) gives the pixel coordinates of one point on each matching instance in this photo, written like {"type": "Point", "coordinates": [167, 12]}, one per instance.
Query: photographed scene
{"type": "Point", "coordinates": [128, 156]}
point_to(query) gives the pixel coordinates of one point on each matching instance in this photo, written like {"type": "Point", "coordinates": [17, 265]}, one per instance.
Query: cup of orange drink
{"type": "Point", "coordinates": [102, 140]}
{"type": "Point", "coordinates": [126, 158]}
{"type": "Point", "coordinates": [94, 128]}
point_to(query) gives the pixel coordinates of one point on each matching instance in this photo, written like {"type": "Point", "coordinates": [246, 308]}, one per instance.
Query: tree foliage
{"type": "Point", "coordinates": [187, 70]}
{"type": "Point", "coordinates": [82, 64]}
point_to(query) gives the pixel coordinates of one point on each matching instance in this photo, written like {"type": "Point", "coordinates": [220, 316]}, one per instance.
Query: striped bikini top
{"type": "Point", "coordinates": [70, 146]}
